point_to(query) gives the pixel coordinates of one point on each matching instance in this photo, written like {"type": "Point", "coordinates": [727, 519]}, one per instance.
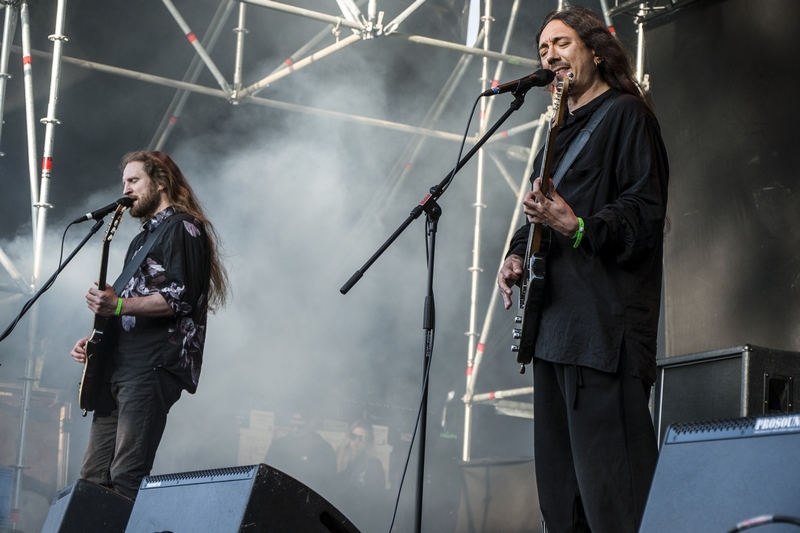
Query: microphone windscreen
{"type": "Point", "coordinates": [546, 74]}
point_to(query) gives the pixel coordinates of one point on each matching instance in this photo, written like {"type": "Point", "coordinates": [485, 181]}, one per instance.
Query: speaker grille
{"type": "Point", "coordinates": [732, 428]}
{"type": "Point", "coordinates": [201, 476]}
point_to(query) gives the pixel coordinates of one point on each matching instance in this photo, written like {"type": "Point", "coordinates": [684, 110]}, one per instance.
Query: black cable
{"type": "Point", "coordinates": [410, 448]}
{"type": "Point", "coordinates": [461, 148]}
{"type": "Point", "coordinates": [26, 307]}
{"type": "Point", "coordinates": [763, 520]}
{"type": "Point", "coordinates": [428, 359]}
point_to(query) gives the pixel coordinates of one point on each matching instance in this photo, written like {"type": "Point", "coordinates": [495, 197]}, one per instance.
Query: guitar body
{"type": "Point", "coordinates": [531, 295]}
{"type": "Point", "coordinates": [534, 267]}
{"type": "Point", "coordinates": [97, 348]}
{"type": "Point", "coordinates": [98, 345]}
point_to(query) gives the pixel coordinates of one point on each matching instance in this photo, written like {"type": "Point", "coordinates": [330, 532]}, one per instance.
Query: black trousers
{"type": "Point", "coordinates": [595, 448]}
{"type": "Point", "coordinates": [126, 432]}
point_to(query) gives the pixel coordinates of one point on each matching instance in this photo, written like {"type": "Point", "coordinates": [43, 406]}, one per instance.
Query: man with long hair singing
{"type": "Point", "coordinates": [594, 358]}
{"type": "Point", "coordinates": [158, 320]}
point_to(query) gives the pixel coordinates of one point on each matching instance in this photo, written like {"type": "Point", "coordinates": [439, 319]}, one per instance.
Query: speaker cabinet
{"type": "Point", "coordinates": [236, 499]}
{"type": "Point", "coordinates": [712, 476]}
{"type": "Point", "coordinates": [85, 507]}
{"type": "Point", "coordinates": [736, 382]}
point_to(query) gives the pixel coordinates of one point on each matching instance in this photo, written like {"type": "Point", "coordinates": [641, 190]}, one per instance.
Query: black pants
{"type": "Point", "coordinates": [595, 448]}
{"type": "Point", "coordinates": [123, 440]}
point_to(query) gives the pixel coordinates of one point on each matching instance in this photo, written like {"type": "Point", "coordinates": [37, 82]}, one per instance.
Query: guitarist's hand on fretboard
{"type": "Point", "coordinates": [549, 209]}
{"type": "Point", "coordinates": [509, 275]}
{"type": "Point", "coordinates": [102, 303]}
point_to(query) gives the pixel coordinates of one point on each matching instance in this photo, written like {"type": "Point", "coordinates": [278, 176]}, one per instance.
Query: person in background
{"type": "Point", "coordinates": [361, 480]}
{"type": "Point", "coordinates": [304, 454]}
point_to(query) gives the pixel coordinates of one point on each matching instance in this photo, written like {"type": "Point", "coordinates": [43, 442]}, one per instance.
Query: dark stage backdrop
{"type": "Point", "coordinates": [725, 78]}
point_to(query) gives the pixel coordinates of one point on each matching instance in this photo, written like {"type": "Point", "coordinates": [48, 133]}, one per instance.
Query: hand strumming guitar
{"type": "Point", "coordinates": [509, 275]}
{"type": "Point", "coordinates": [79, 351]}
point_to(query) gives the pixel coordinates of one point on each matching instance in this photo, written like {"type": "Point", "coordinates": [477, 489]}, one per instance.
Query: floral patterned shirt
{"type": "Point", "coordinates": [177, 267]}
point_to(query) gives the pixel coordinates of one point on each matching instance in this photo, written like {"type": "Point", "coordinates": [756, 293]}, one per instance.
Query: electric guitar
{"type": "Point", "coordinates": [97, 345]}
{"type": "Point", "coordinates": [534, 268]}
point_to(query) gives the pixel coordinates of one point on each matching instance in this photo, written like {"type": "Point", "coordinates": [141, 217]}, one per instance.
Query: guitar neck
{"type": "Point", "coordinates": [555, 125]}
{"type": "Point", "coordinates": [547, 163]}
{"type": "Point", "coordinates": [101, 279]}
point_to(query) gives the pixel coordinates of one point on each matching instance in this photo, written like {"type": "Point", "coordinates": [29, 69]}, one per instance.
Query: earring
{"type": "Point", "coordinates": [596, 63]}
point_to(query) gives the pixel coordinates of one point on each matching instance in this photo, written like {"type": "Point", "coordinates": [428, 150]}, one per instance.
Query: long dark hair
{"type": "Point", "coordinates": [615, 67]}
{"type": "Point", "coordinates": [165, 173]}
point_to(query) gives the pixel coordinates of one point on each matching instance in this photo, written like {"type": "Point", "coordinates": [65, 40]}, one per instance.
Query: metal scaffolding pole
{"type": "Point", "coordinates": [478, 205]}
{"type": "Point", "coordinates": [254, 99]}
{"type": "Point", "coordinates": [41, 204]}
{"type": "Point", "coordinates": [241, 31]}
{"type": "Point", "coordinates": [475, 268]}
{"type": "Point", "coordinates": [641, 77]}
{"type": "Point", "coordinates": [175, 108]}
{"type": "Point", "coordinates": [325, 52]}
{"type": "Point", "coordinates": [405, 163]}
{"type": "Point", "coordinates": [474, 362]}
{"type": "Point", "coordinates": [9, 25]}
{"type": "Point", "coordinates": [30, 114]}
{"type": "Point", "coordinates": [198, 47]}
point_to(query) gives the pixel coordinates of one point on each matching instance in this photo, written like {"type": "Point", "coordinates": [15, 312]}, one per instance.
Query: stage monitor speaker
{"type": "Point", "coordinates": [736, 382]}
{"type": "Point", "coordinates": [236, 499]}
{"type": "Point", "coordinates": [711, 476]}
{"type": "Point", "coordinates": [85, 507]}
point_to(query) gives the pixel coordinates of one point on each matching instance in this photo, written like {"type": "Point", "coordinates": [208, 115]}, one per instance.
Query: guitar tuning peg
{"type": "Point", "coordinates": [515, 348]}
{"type": "Point", "coordinates": [516, 333]}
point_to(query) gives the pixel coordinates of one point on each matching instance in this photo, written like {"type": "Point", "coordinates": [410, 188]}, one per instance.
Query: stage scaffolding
{"type": "Point", "coordinates": [351, 26]}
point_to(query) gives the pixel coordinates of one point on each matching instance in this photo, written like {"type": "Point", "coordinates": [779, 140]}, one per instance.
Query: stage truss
{"type": "Point", "coordinates": [352, 25]}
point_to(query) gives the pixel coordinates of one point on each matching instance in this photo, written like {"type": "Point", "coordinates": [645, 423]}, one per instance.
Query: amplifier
{"type": "Point", "coordinates": [721, 384]}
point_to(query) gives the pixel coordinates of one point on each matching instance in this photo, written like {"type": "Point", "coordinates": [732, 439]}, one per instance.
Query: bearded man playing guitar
{"type": "Point", "coordinates": [152, 348]}
{"type": "Point", "coordinates": [594, 355]}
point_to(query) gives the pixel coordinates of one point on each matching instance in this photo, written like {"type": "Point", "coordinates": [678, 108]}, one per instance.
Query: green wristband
{"type": "Point", "coordinates": [578, 234]}
{"type": "Point", "coordinates": [119, 307]}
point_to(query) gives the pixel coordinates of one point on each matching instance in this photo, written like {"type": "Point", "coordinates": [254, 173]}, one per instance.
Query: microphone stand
{"type": "Point", "coordinates": [95, 228]}
{"type": "Point", "coordinates": [433, 212]}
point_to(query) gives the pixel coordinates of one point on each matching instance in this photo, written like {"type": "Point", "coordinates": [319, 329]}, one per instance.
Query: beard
{"type": "Point", "coordinates": [146, 205]}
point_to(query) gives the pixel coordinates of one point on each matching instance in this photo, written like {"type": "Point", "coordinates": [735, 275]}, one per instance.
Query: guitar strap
{"type": "Point", "coordinates": [580, 141]}
{"type": "Point", "coordinates": [149, 240]}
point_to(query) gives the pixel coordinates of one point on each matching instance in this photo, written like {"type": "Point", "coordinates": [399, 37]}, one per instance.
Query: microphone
{"type": "Point", "coordinates": [103, 211]}
{"type": "Point", "coordinates": [540, 78]}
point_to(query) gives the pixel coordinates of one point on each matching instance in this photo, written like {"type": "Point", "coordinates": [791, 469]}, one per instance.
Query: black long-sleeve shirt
{"type": "Point", "coordinates": [177, 267]}
{"type": "Point", "coordinates": [608, 291]}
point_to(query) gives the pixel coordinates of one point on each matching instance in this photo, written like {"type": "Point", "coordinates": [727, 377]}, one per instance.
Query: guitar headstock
{"type": "Point", "coordinates": [560, 99]}
{"type": "Point", "coordinates": [114, 224]}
